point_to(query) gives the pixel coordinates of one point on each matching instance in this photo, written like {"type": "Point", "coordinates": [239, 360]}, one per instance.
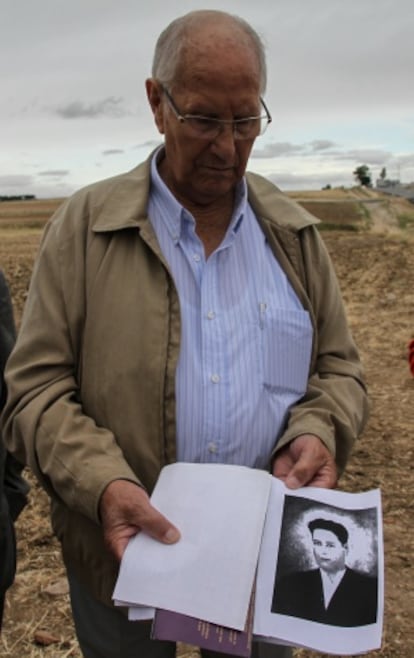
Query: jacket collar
{"type": "Point", "coordinates": [123, 202]}
{"type": "Point", "coordinates": [273, 206]}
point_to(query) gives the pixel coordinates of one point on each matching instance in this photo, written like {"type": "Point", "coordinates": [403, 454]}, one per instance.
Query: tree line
{"type": "Point", "coordinates": [17, 197]}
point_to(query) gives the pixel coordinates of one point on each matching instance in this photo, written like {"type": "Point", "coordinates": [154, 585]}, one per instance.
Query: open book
{"type": "Point", "coordinates": [258, 561]}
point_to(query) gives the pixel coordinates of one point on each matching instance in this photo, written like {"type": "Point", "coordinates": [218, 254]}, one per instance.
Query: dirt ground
{"type": "Point", "coordinates": [376, 271]}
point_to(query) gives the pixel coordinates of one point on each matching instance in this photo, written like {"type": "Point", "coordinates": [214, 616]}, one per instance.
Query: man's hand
{"type": "Point", "coordinates": [306, 461]}
{"type": "Point", "coordinates": [126, 509]}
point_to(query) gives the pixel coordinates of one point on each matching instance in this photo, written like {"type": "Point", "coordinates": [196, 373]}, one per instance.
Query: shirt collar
{"type": "Point", "coordinates": [175, 216]}
{"type": "Point", "coordinates": [332, 579]}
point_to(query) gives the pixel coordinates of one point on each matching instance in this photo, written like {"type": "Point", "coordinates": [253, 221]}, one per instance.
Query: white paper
{"type": "Point", "coordinates": [361, 515]}
{"type": "Point", "coordinates": [209, 574]}
{"type": "Point", "coordinates": [140, 613]}
{"type": "Point", "coordinates": [136, 612]}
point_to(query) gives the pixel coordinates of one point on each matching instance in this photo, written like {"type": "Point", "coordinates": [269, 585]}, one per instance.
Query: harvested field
{"type": "Point", "coordinates": [31, 214]}
{"type": "Point", "coordinates": [375, 266]}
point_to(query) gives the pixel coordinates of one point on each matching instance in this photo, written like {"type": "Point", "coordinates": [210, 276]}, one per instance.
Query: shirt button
{"type": "Point", "coordinates": [211, 315]}
{"type": "Point", "coordinates": [212, 448]}
{"type": "Point", "coordinates": [197, 258]}
{"type": "Point", "coordinates": [215, 378]}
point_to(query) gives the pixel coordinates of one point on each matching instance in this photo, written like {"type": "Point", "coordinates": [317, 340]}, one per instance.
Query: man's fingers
{"type": "Point", "coordinates": [302, 472]}
{"type": "Point", "coordinates": [326, 477]}
{"type": "Point", "coordinates": [158, 527]}
{"type": "Point", "coordinates": [148, 519]}
{"type": "Point", "coordinates": [155, 525]}
{"type": "Point", "coordinates": [295, 480]}
{"type": "Point", "coordinates": [125, 510]}
{"type": "Point", "coordinates": [117, 540]}
{"type": "Point", "coordinates": [306, 462]}
{"type": "Point", "coordinates": [319, 472]}
{"type": "Point", "coordinates": [282, 466]}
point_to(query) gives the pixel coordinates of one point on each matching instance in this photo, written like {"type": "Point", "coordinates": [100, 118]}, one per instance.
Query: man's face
{"type": "Point", "coordinates": [222, 85]}
{"type": "Point", "coordinates": [329, 553]}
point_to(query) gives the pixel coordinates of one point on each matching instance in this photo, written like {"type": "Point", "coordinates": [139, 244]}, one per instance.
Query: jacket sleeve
{"type": "Point", "coordinates": [335, 405]}
{"type": "Point", "coordinates": [44, 424]}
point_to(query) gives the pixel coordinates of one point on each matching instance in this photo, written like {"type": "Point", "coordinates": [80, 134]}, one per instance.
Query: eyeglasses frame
{"type": "Point", "coordinates": [182, 118]}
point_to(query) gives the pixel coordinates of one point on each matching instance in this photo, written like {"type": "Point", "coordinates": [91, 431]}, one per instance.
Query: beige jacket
{"type": "Point", "coordinates": [91, 379]}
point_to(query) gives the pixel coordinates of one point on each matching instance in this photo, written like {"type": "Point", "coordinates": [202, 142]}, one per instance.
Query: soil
{"type": "Point", "coordinates": [375, 267]}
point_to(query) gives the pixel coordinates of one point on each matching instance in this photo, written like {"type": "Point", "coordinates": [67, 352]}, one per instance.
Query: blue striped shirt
{"type": "Point", "coordinates": [245, 341]}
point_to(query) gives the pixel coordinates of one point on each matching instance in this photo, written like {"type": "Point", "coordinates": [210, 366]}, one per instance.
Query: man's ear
{"type": "Point", "coordinates": [154, 95]}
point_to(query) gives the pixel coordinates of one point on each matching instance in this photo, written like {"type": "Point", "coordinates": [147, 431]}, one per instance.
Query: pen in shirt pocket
{"type": "Point", "coordinates": [262, 314]}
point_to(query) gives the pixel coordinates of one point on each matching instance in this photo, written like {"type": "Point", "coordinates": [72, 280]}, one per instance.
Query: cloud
{"type": "Point", "coordinates": [317, 180]}
{"type": "Point", "coordinates": [321, 144]}
{"type": "Point", "coordinates": [112, 151]}
{"type": "Point", "coordinates": [107, 107]}
{"type": "Point", "coordinates": [286, 149]}
{"type": "Point", "coordinates": [15, 181]}
{"type": "Point", "coordinates": [149, 144]}
{"type": "Point", "coordinates": [277, 149]}
{"type": "Point", "coordinates": [367, 156]}
{"type": "Point", "coordinates": [406, 160]}
{"type": "Point", "coordinates": [54, 173]}
{"type": "Point", "coordinates": [324, 148]}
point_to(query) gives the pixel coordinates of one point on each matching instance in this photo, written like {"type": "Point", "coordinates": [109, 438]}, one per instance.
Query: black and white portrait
{"type": "Point", "coordinates": [327, 564]}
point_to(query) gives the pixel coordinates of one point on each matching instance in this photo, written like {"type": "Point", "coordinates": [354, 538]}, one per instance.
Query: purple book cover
{"type": "Point", "coordinates": [176, 627]}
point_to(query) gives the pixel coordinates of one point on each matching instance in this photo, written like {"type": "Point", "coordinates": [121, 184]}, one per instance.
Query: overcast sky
{"type": "Point", "coordinates": [73, 106]}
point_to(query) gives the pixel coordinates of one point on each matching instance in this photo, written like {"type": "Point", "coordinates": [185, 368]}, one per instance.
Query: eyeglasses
{"type": "Point", "coordinates": [209, 128]}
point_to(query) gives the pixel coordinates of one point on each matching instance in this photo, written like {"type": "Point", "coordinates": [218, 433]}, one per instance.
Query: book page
{"type": "Point", "coordinates": [313, 588]}
{"type": "Point", "coordinates": [209, 574]}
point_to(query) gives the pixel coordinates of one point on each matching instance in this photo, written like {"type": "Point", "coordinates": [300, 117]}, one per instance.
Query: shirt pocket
{"type": "Point", "coordinates": [287, 344]}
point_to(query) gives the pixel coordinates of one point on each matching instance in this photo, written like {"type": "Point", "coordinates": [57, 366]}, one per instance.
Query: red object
{"type": "Point", "coordinates": [411, 356]}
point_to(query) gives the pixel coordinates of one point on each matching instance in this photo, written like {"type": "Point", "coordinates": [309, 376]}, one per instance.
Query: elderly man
{"type": "Point", "coordinates": [333, 593]}
{"type": "Point", "coordinates": [181, 311]}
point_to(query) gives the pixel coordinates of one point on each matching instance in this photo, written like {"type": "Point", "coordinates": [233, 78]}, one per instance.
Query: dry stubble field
{"type": "Point", "coordinates": [375, 267]}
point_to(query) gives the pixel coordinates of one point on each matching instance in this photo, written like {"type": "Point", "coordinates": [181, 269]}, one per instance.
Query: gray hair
{"type": "Point", "coordinates": [172, 41]}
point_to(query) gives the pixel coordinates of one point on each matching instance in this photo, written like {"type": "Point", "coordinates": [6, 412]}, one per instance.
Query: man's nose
{"type": "Point", "coordinates": [225, 141]}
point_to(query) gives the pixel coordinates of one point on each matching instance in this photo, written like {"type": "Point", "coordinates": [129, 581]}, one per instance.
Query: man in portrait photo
{"type": "Point", "coordinates": [332, 593]}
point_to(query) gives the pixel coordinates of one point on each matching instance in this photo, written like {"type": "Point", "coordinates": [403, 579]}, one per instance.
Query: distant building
{"type": "Point", "coordinates": [387, 182]}
{"type": "Point", "coordinates": [395, 188]}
